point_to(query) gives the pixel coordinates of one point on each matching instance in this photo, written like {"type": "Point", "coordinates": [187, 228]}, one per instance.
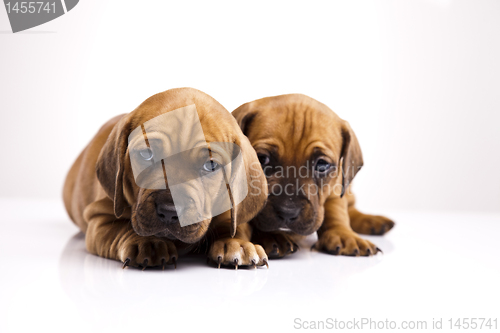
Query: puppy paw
{"type": "Point", "coordinates": [344, 242]}
{"type": "Point", "coordinates": [148, 252]}
{"type": "Point", "coordinates": [277, 244]}
{"type": "Point", "coordinates": [236, 252]}
{"type": "Point", "coordinates": [371, 224]}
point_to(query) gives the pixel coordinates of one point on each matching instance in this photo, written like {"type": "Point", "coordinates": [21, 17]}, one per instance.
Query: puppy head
{"type": "Point", "coordinates": [307, 153]}
{"type": "Point", "coordinates": [156, 155]}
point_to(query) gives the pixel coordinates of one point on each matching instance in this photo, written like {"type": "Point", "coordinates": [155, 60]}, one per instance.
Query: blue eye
{"type": "Point", "coordinates": [322, 166]}
{"type": "Point", "coordinates": [146, 154]}
{"type": "Point", "coordinates": [210, 166]}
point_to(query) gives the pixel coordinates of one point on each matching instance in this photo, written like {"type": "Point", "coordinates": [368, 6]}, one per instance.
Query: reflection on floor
{"type": "Point", "coordinates": [434, 265]}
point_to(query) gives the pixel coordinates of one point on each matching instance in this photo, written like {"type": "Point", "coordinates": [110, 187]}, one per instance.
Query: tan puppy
{"type": "Point", "coordinates": [139, 226]}
{"type": "Point", "coordinates": [309, 156]}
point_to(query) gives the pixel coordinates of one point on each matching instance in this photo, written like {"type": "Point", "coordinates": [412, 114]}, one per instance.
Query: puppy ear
{"type": "Point", "coordinates": [256, 197]}
{"type": "Point", "coordinates": [256, 180]}
{"type": "Point", "coordinates": [244, 117]}
{"type": "Point", "coordinates": [234, 212]}
{"type": "Point", "coordinates": [351, 157]}
{"type": "Point", "coordinates": [111, 163]}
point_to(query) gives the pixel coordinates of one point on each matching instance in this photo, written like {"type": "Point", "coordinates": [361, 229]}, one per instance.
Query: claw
{"type": "Point", "coordinates": [265, 263]}
{"type": "Point", "coordinates": [145, 264]}
{"type": "Point", "coordinates": [175, 262]}
{"type": "Point", "coordinates": [236, 264]}
{"type": "Point", "coordinates": [356, 252]}
{"type": "Point", "coordinates": [219, 261]}
{"type": "Point", "coordinates": [335, 252]}
{"type": "Point", "coordinates": [379, 250]}
{"type": "Point", "coordinates": [368, 252]}
{"type": "Point", "coordinates": [163, 262]}
{"type": "Point", "coordinates": [126, 262]}
{"type": "Point", "coordinates": [295, 248]}
{"type": "Point", "coordinates": [254, 263]}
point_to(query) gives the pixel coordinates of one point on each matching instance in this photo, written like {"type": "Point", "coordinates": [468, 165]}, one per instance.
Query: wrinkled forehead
{"type": "Point", "coordinates": [296, 126]}
{"type": "Point", "coordinates": [182, 128]}
{"type": "Point", "coordinates": [219, 126]}
{"type": "Point", "coordinates": [174, 150]}
{"type": "Point", "coordinates": [178, 130]}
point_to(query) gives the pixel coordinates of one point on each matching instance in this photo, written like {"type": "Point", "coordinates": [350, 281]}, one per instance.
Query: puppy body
{"type": "Point", "coordinates": [309, 156]}
{"type": "Point", "coordinates": [81, 187]}
{"type": "Point", "coordinates": [121, 219]}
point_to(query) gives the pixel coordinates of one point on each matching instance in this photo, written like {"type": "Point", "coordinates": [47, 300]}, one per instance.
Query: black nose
{"type": "Point", "coordinates": [288, 213]}
{"type": "Point", "coordinates": [167, 213]}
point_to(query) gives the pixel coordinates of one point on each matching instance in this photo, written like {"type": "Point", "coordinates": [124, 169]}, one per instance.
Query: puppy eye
{"type": "Point", "coordinates": [322, 166]}
{"type": "Point", "coordinates": [210, 166]}
{"type": "Point", "coordinates": [263, 159]}
{"type": "Point", "coordinates": [146, 154]}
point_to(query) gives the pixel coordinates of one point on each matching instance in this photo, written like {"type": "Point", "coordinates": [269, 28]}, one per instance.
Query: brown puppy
{"type": "Point", "coordinates": [309, 156]}
{"type": "Point", "coordinates": [139, 226]}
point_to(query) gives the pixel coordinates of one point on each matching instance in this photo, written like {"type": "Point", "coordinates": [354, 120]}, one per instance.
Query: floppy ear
{"type": "Point", "coordinates": [257, 188]}
{"type": "Point", "coordinates": [111, 162]}
{"type": "Point", "coordinates": [244, 117]}
{"type": "Point", "coordinates": [234, 211]}
{"type": "Point", "coordinates": [351, 157]}
{"type": "Point", "coordinates": [256, 180]}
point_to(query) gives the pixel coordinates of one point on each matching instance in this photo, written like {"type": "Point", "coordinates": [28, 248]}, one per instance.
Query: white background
{"type": "Point", "coordinates": [418, 81]}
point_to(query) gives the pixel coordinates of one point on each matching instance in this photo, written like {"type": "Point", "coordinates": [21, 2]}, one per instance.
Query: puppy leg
{"type": "Point", "coordinates": [237, 251]}
{"type": "Point", "coordinates": [365, 223]}
{"type": "Point", "coordinates": [114, 238]}
{"type": "Point", "coordinates": [335, 236]}
{"type": "Point", "coordinates": [276, 244]}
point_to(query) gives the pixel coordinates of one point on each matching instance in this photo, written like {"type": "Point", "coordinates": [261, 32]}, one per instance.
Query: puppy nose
{"type": "Point", "coordinates": [288, 213]}
{"type": "Point", "coordinates": [167, 213]}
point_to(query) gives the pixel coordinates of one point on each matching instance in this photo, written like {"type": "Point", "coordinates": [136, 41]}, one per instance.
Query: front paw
{"type": "Point", "coordinates": [147, 252]}
{"type": "Point", "coordinates": [236, 252]}
{"type": "Point", "coordinates": [371, 224]}
{"type": "Point", "coordinates": [276, 244]}
{"type": "Point", "coordinates": [344, 242]}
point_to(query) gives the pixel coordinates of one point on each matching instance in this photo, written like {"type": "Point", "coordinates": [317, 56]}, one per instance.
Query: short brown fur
{"type": "Point", "coordinates": [119, 221]}
{"type": "Point", "coordinates": [294, 131]}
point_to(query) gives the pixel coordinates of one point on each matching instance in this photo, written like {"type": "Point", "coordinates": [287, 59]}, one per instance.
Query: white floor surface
{"type": "Point", "coordinates": [435, 266]}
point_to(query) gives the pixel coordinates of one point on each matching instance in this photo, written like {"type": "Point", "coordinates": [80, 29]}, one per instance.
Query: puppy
{"type": "Point", "coordinates": [180, 145]}
{"type": "Point", "coordinates": [309, 156]}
